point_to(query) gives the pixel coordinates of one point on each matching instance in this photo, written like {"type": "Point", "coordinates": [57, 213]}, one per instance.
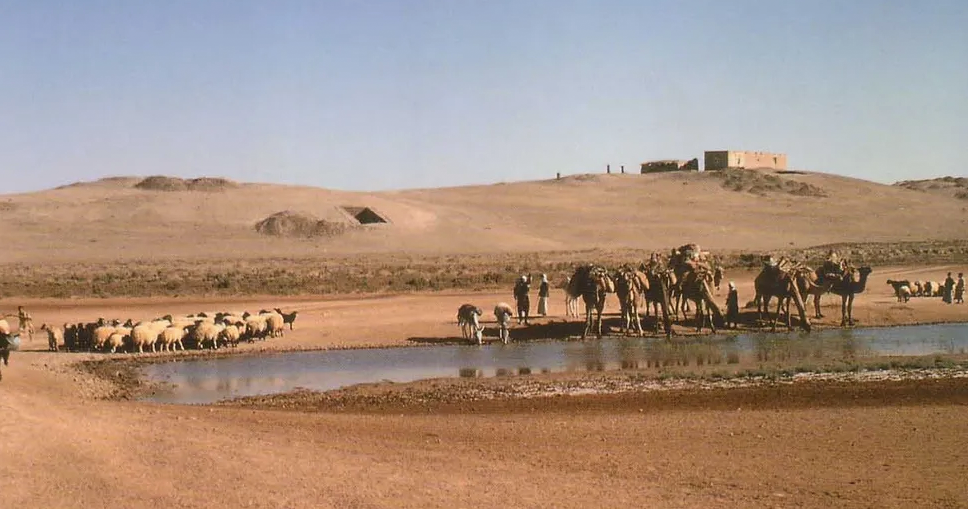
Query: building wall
{"type": "Point", "coordinates": [670, 165]}
{"type": "Point", "coordinates": [722, 159]}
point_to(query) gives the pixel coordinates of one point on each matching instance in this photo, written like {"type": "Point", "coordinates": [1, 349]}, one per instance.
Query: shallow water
{"type": "Point", "coordinates": [206, 381]}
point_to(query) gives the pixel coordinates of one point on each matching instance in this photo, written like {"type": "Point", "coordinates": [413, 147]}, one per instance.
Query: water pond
{"type": "Point", "coordinates": [206, 381]}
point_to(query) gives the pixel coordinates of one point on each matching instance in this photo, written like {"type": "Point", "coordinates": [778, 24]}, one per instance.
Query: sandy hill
{"type": "Point", "coordinates": [945, 186]}
{"type": "Point", "coordinates": [130, 218]}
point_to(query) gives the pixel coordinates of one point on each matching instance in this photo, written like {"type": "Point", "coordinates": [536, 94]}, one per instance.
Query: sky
{"type": "Point", "coordinates": [378, 94]}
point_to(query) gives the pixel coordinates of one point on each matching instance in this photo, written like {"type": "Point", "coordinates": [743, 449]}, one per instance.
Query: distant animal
{"type": "Point", "coordinates": [289, 318]}
{"type": "Point", "coordinates": [918, 289]}
{"type": "Point", "coordinates": [468, 318]}
{"type": "Point", "coordinates": [55, 336]}
{"type": "Point", "coordinates": [503, 313]}
{"type": "Point", "coordinates": [904, 294]}
{"type": "Point", "coordinates": [898, 285]}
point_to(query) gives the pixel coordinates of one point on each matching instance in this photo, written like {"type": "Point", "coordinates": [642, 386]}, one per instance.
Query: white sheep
{"type": "Point", "coordinates": [231, 334]}
{"type": "Point", "coordinates": [115, 341]}
{"type": "Point", "coordinates": [146, 335]}
{"type": "Point", "coordinates": [256, 327]}
{"type": "Point", "coordinates": [207, 333]}
{"type": "Point", "coordinates": [55, 336]}
{"type": "Point", "coordinates": [275, 324]}
{"type": "Point", "coordinates": [101, 335]}
{"type": "Point", "coordinates": [904, 293]}
{"type": "Point", "coordinates": [172, 337]}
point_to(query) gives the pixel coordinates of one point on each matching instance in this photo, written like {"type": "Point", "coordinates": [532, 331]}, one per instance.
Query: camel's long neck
{"type": "Point", "coordinates": [862, 284]}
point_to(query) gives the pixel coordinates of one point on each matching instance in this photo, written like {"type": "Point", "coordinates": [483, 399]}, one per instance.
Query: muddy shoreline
{"type": "Point", "coordinates": [447, 394]}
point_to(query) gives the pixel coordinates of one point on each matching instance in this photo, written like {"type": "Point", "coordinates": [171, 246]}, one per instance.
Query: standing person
{"type": "Point", "coordinates": [960, 289]}
{"type": "Point", "coordinates": [521, 297]}
{"type": "Point", "coordinates": [26, 322]}
{"type": "Point", "coordinates": [732, 307]}
{"type": "Point", "coordinates": [4, 350]}
{"type": "Point", "coordinates": [543, 292]}
{"type": "Point", "coordinates": [949, 286]}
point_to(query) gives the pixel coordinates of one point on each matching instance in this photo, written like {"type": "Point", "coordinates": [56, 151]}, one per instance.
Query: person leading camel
{"type": "Point", "coordinates": [523, 300]}
{"type": "Point", "coordinates": [732, 307]}
{"type": "Point", "coordinates": [960, 289]}
{"type": "Point", "coordinates": [949, 286]}
{"type": "Point", "coordinates": [543, 292]}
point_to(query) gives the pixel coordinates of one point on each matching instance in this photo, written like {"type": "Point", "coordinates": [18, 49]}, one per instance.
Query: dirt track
{"type": "Point", "coordinates": [886, 445]}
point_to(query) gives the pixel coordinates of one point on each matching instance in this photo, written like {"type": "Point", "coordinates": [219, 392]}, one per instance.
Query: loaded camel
{"type": "Point", "coordinates": [694, 278]}
{"type": "Point", "coordinates": [695, 287]}
{"type": "Point", "coordinates": [780, 281]}
{"type": "Point", "coordinates": [592, 283]}
{"type": "Point", "coordinates": [811, 285]}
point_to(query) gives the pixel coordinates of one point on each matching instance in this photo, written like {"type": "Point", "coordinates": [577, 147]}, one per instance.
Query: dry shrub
{"type": "Point", "coordinates": [952, 186]}
{"type": "Point", "coordinates": [760, 183]}
{"type": "Point", "coordinates": [164, 183]}
{"type": "Point", "coordinates": [294, 224]}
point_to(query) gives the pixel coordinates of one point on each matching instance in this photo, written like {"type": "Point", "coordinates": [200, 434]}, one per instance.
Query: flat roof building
{"type": "Point", "coordinates": [724, 159]}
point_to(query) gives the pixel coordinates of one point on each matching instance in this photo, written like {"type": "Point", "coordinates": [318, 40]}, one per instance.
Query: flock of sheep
{"type": "Point", "coordinates": [170, 333]}
{"type": "Point", "coordinates": [904, 289]}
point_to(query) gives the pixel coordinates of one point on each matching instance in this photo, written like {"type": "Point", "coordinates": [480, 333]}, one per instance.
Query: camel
{"type": "Point", "coordinates": [629, 285]}
{"type": "Point", "coordinates": [695, 286]}
{"type": "Point", "coordinates": [571, 301]}
{"type": "Point", "coordinates": [847, 288]}
{"type": "Point", "coordinates": [809, 284]}
{"type": "Point", "coordinates": [779, 281]}
{"type": "Point", "coordinates": [592, 283]}
{"type": "Point", "coordinates": [682, 260]}
{"type": "Point", "coordinates": [659, 280]}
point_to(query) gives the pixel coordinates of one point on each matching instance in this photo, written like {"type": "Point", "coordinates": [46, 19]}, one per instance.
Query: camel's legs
{"type": "Point", "coordinates": [634, 309]}
{"type": "Point", "coordinates": [599, 307]}
{"type": "Point", "coordinates": [843, 311]}
{"type": "Point", "coordinates": [816, 305]}
{"type": "Point", "coordinates": [779, 308]}
{"type": "Point", "coordinates": [850, 309]}
{"type": "Point", "coordinates": [765, 302]}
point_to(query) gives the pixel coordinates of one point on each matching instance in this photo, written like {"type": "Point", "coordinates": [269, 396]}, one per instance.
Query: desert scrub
{"type": "Point", "coordinates": [393, 273]}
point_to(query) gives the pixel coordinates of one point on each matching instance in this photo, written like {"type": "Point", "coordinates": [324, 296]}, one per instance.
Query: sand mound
{"type": "Point", "coordinates": [164, 183]}
{"type": "Point", "coordinates": [760, 183]}
{"type": "Point", "coordinates": [295, 224]}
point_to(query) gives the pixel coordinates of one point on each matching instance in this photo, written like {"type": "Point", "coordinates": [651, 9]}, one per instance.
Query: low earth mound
{"type": "Point", "coordinates": [760, 183]}
{"type": "Point", "coordinates": [950, 186]}
{"type": "Point", "coordinates": [164, 183]}
{"type": "Point", "coordinates": [295, 224]}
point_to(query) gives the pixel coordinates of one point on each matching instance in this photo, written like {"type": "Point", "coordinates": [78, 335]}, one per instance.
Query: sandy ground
{"type": "Point", "coordinates": [841, 446]}
{"type": "Point", "coordinates": [112, 221]}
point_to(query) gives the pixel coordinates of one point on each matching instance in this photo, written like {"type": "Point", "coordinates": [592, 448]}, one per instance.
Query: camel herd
{"type": "Point", "coordinates": [667, 286]}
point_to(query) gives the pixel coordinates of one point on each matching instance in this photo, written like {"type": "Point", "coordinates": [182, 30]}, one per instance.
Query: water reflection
{"type": "Point", "coordinates": [211, 380]}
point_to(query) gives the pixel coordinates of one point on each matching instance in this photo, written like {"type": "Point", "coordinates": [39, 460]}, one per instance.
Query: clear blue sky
{"type": "Point", "coordinates": [370, 94]}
